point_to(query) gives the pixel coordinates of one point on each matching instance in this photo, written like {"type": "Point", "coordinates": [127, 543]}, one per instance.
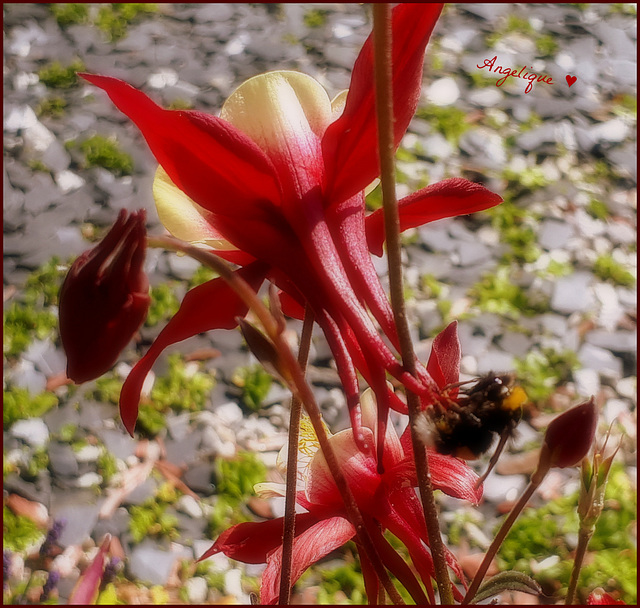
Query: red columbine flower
{"type": "Point", "coordinates": [387, 501]}
{"type": "Point", "coordinates": [599, 597]}
{"type": "Point", "coordinates": [279, 177]}
{"type": "Point", "coordinates": [104, 299]}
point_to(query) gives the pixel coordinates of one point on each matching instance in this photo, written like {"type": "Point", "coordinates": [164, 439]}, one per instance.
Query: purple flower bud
{"type": "Point", "coordinates": [6, 568]}
{"type": "Point", "coordinates": [52, 537]}
{"type": "Point", "coordinates": [50, 585]}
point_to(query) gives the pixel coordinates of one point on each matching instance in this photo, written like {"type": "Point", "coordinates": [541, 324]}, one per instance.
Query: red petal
{"type": "Point", "coordinates": [212, 305]}
{"type": "Point", "coordinates": [207, 158]}
{"type": "Point", "coordinates": [444, 360]}
{"type": "Point", "coordinates": [308, 548]}
{"type": "Point", "coordinates": [599, 597]}
{"type": "Point", "coordinates": [448, 198]}
{"type": "Point", "coordinates": [88, 585]}
{"type": "Point", "coordinates": [350, 144]}
{"type": "Point", "coordinates": [251, 542]}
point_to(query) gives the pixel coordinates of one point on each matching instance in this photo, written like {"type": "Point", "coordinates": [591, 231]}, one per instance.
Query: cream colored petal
{"type": "Point", "coordinates": [337, 104]}
{"type": "Point", "coordinates": [270, 489]}
{"type": "Point", "coordinates": [276, 107]}
{"type": "Point", "coordinates": [182, 217]}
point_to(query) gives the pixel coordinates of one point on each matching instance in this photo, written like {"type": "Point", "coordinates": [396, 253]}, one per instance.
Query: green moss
{"type": "Point", "coordinates": [541, 372]}
{"type": "Point", "coordinates": [180, 104]}
{"type": "Point", "coordinates": [315, 18]}
{"type": "Point", "coordinates": [107, 389]}
{"type": "Point", "coordinates": [623, 8]}
{"type": "Point", "coordinates": [497, 293]}
{"type": "Point", "coordinates": [37, 166]}
{"type": "Point", "coordinates": [340, 582]}
{"type": "Point", "coordinates": [179, 390]}
{"type": "Point", "coordinates": [53, 107]}
{"type": "Point", "coordinates": [626, 106]}
{"type": "Point", "coordinates": [237, 476]}
{"type": "Point", "coordinates": [38, 461]}
{"type": "Point", "coordinates": [43, 285]}
{"type": "Point", "coordinates": [226, 512]}
{"type": "Point", "coordinates": [19, 404]}
{"type": "Point", "coordinates": [546, 531]}
{"type": "Point", "coordinates": [22, 325]}
{"type": "Point", "coordinates": [105, 152]}
{"type": "Point", "coordinates": [150, 420]}
{"type": "Point", "coordinates": [56, 76]}
{"type": "Point", "coordinates": [70, 14]}
{"type": "Point", "coordinates": [255, 383]}
{"type": "Point", "coordinates": [107, 466]}
{"type": "Point", "coordinates": [373, 200]}
{"type": "Point", "coordinates": [449, 121]}
{"type": "Point", "coordinates": [151, 519]}
{"type": "Point", "coordinates": [115, 19]}
{"type": "Point", "coordinates": [201, 275]}
{"type": "Point", "coordinates": [517, 229]}
{"type": "Point", "coordinates": [164, 304]}
{"type": "Point", "coordinates": [558, 269]}
{"type": "Point", "coordinates": [546, 45]}
{"type": "Point", "coordinates": [607, 269]}
{"type": "Point", "coordinates": [18, 532]}
{"type": "Point", "coordinates": [598, 209]}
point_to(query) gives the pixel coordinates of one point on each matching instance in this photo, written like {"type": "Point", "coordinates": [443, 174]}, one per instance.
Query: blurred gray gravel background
{"type": "Point", "coordinates": [556, 150]}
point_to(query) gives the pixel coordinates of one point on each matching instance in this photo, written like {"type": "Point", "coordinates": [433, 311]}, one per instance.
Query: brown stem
{"type": "Point", "coordinates": [384, 111]}
{"type": "Point", "coordinates": [299, 387]}
{"type": "Point", "coordinates": [584, 536]}
{"type": "Point", "coordinates": [536, 480]}
{"type": "Point", "coordinates": [292, 468]}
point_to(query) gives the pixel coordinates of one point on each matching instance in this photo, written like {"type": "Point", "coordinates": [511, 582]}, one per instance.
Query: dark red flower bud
{"type": "Point", "coordinates": [570, 436]}
{"type": "Point", "coordinates": [104, 299]}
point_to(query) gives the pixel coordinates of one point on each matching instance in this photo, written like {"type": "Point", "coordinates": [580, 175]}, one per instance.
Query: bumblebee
{"type": "Point", "coordinates": [466, 425]}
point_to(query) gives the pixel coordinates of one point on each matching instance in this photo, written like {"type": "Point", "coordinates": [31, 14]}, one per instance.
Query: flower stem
{"type": "Point", "coordinates": [384, 111]}
{"type": "Point", "coordinates": [536, 480]}
{"type": "Point", "coordinates": [292, 468]}
{"type": "Point", "coordinates": [584, 536]}
{"type": "Point", "coordinates": [299, 387]}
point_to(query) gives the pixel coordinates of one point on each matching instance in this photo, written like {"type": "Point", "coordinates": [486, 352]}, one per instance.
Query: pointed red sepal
{"type": "Point", "coordinates": [448, 198]}
{"type": "Point", "coordinates": [350, 144]}
{"type": "Point", "coordinates": [212, 305]}
{"type": "Point", "coordinates": [444, 360]}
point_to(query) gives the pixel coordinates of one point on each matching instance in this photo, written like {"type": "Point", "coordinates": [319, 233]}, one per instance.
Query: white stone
{"type": "Point", "coordinates": [197, 590]}
{"type": "Point", "coordinates": [443, 92]}
{"type": "Point", "coordinates": [233, 585]}
{"type": "Point", "coordinates": [88, 480]}
{"type": "Point", "coordinates": [573, 293]}
{"type": "Point", "coordinates": [88, 453]}
{"type": "Point", "coordinates": [68, 181]}
{"type": "Point", "coordinates": [615, 130]}
{"type": "Point", "coordinates": [22, 117]}
{"type": "Point", "coordinates": [554, 234]}
{"type": "Point", "coordinates": [236, 45]}
{"type": "Point", "coordinates": [627, 387]}
{"type": "Point", "coordinates": [38, 138]}
{"type": "Point", "coordinates": [32, 431]}
{"type": "Point", "coordinates": [163, 78]}
{"type": "Point", "coordinates": [601, 360]}
{"type": "Point", "coordinates": [587, 382]}
{"type": "Point", "coordinates": [189, 505]}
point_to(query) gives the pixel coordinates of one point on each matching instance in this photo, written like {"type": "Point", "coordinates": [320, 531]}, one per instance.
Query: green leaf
{"type": "Point", "coordinates": [507, 581]}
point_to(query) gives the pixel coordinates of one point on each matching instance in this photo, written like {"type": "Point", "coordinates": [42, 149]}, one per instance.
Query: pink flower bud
{"type": "Point", "coordinates": [104, 299]}
{"type": "Point", "coordinates": [570, 436]}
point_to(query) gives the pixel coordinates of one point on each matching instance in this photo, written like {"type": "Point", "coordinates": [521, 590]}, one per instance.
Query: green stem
{"type": "Point", "coordinates": [299, 387]}
{"type": "Point", "coordinates": [536, 480]}
{"type": "Point", "coordinates": [584, 536]}
{"type": "Point", "coordinates": [292, 468]}
{"type": "Point", "coordinates": [384, 111]}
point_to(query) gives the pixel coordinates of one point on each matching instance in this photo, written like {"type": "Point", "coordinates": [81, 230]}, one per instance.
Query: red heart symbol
{"type": "Point", "coordinates": [571, 79]}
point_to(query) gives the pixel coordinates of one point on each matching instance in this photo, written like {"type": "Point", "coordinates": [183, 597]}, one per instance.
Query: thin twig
{"type": "Point", "coordinates": [384, 110]}
{"type": "Point", "coordinates": [292, 467]}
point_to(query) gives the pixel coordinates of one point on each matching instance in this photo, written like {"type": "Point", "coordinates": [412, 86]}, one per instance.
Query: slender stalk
{"type": "Point", "coordinates": [536, 480]}
{"type": "Point", "coordinates": [584, 536]}
{"type": "Point", "coordinates": [292, 468]}
{"type": "Point", "coordinates": [299, 387]}
{"type": "Point", "coordinates": [384, 111]}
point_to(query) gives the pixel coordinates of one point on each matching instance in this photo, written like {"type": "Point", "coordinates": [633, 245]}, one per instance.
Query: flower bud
{"type": "Point", "coordinates": [104, 299]}
{"type": "Point", "coordinates": [570, 436]}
